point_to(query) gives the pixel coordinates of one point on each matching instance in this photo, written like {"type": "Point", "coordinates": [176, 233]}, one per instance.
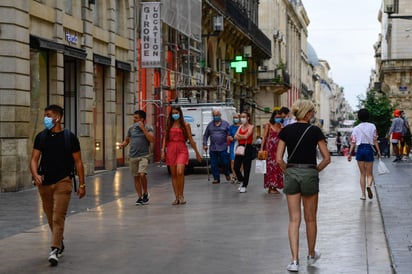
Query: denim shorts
{"type": "Point", "coordinates": [364, 153]}
{"type": "Point", "coordinates": [301, 180]}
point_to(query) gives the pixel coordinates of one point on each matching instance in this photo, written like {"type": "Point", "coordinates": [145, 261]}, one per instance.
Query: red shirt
{"type": "Point", "coordinates": [248, 140]}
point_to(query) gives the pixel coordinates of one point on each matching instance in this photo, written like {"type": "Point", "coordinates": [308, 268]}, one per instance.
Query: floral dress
{"type": "Point", "coordinates": [274, 175]}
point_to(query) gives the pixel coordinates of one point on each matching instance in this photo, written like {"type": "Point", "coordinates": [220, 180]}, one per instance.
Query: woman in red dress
{"type": "Point", "coordinates": [273, 179]}
{"type": "Point", "coordinates": [175, 151]}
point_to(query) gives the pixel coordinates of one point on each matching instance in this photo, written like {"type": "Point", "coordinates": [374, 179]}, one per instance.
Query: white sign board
{"type": "Point", "coordinates": [150, 35]}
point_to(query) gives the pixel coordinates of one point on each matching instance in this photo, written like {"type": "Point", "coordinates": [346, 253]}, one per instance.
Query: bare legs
{"type": "Point", "coordinates": [366, 175]}
{"type": "Point", "coordinates": [310, 207]}
{"type": "Point", "coordinates": [178, 182]}
{"type": "Point", "coordinates": [396, 150]}
{"type": "Point", "coordinates": [140, 184]}
{"type": "Point", "coordinates": [232, 169]}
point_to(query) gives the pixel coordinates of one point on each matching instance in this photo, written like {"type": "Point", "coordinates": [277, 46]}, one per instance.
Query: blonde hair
{"type": "Point", "coordinates": [301, 107]}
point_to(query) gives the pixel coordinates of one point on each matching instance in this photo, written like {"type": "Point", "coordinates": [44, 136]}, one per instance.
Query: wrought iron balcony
{"type": "Point", "coordinates": [240, 19]}
{"type": "Point", "coordinates": [276, 80]}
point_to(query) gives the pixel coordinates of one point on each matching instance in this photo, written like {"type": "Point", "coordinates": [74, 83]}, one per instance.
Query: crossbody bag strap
{"type": "Point", "coordinates": [301, 137]}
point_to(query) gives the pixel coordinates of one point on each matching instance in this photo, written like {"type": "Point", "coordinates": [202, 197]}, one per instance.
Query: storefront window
{"type": "Point", "coordinates": [98, 117]}
{"type": "Point", "coordinates": [70, 93]}
{"type": "Point", "coordinates": [120, 121]}
{"type": "Point", "coordinates": [39, 72]}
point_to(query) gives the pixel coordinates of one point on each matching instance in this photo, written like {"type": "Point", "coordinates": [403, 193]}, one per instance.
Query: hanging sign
{"type": "Point", "coordinates": [150, 35]}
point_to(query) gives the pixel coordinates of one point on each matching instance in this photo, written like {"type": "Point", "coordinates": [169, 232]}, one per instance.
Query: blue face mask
{"type": "Point", "coordinates": [235, 120]}
{"type": "Point", "coordinates": [48, 122]}
{"type": "Point", "coordinates": [216, 118]}
{"type": "Point", "coordinates": [175, 116]}
{"type": "Point", "coordinates": [278, 120]}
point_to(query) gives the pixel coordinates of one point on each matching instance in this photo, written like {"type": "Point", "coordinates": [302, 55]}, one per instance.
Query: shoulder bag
{"type": "Point", "coordinates": [297, 144]}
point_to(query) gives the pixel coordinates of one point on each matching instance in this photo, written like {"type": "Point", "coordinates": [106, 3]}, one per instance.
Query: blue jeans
{"type": "Point", "coordinates": [216, 158]}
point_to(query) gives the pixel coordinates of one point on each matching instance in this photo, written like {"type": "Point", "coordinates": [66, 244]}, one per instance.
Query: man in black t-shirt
{"type": "Point", "coordinates": [53, 176]}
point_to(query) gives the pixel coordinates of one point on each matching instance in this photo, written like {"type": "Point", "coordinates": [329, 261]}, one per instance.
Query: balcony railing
{"type": "Point", "coordinates": [396, 65]}
{"type": "Point", "coordinates": [278, 79]}
{"type": "Point", "coordinates": [241, 20]}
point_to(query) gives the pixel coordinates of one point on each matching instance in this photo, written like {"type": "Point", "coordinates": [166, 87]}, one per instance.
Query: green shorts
{"type": "Point", "coordinates": [301, 180]}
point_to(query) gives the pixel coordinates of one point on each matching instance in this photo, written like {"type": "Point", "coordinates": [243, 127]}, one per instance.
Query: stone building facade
{"type": "Point", "coordinates": [393, 55]}
{"type": "Point", "coordinates": [78, 54]}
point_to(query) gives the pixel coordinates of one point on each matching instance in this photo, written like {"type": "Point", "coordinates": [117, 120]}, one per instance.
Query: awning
{"type": "Point", "coordinates": [123, 65]}
{"type": "Point", "coordinates": [41, 43]}
{"type": "Point", "coordinates": [100, 59]}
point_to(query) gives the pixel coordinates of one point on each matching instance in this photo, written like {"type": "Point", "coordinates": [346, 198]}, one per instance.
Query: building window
{"type": "Point", "coordinates": [96, 13]}
{"type": "Point", "coordinates": [120, 17]}
{"type": "Point", "coordinates": [68, 7]}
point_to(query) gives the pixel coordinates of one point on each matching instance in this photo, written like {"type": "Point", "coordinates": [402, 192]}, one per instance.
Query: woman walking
{"type": "Point", "coordinates": [175, 151]}
{"type": "Point", "coordinates": [273, 178]}
{"type": "Point", "coordinates": [364, 136]}
{"type": "Point", "coordinates": [302, 177]}
{"type": "Point", "coordinates": [244, 151]}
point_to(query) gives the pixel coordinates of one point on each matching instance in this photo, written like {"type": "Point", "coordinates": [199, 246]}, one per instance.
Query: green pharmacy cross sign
{"type": "Point", "coordinates": [239, 64]}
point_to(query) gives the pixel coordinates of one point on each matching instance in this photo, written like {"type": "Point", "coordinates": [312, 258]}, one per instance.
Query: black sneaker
{"type": "Point", "coordinates": [139, 201]}
{"type": "Point", "coordinates": [54, 256]}
{"type": "Point", "coordinates": [145, 198]}
{"type": "Point", "coordinates": [61, 249]}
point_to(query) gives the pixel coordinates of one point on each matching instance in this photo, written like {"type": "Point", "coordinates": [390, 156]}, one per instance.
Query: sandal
{"type": "Point", "coordinates": [363, 198]}
{"type": "Point", "coordinates": [273, 190]}
{"type": "Point", "coordinates": [370, 194]}
{"type": "Point", "coordinates": [176, 202]}
{"type": "Point", "coordinates": [182, 200]}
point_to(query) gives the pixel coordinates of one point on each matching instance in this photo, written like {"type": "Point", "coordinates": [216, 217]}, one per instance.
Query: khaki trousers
{"type": "Point", "coordinates": [55, 199]}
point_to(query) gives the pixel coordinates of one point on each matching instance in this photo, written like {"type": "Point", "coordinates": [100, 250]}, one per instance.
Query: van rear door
{"type": "Point", "coordinates": [193, 116]}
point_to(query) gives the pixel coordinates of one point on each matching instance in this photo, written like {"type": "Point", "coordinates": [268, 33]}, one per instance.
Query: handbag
{"type": "Point", "coordinates": [240, 150]}
{"type": "Point", "coordinates": [262, 155]}
{"type": "Point", "coordinates": [260, 167]}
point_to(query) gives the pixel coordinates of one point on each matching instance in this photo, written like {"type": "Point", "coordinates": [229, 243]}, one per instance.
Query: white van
{"type": "Point", "coordinates": [199, 116]}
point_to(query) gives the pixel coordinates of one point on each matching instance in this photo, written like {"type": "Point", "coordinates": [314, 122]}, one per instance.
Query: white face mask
{"type": "Point", "coordinates": [243, 120]}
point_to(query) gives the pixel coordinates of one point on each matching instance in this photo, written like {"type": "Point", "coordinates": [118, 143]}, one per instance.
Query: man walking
{"type": "Point", "coordinates": [53, 176]}
{"type": "Point", "coordinates": [396, 131]}
{"type": "Point", "coordinates": [139, 136]}
{"type": "Point", "coordinates": [406, 140]}
{"type": "Point", "coordinates": [218, 131]}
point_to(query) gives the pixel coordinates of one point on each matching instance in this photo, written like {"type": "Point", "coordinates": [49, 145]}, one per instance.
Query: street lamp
{"type": "Point", "coordinates": [392, 7]}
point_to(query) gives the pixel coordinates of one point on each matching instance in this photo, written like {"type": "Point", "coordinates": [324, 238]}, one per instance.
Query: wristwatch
{"type": "Point", "coordinates": [82, 186]}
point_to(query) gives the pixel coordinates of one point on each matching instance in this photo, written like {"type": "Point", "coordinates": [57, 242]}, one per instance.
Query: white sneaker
{"type": "Point", "coordinates": [54, 257]}
{"type": "Point", "coordinates": [293, 267]}
{"type": "Point", "coordinates": [313, 259]}
{"type": "Point", "coordinates": [242, 189]}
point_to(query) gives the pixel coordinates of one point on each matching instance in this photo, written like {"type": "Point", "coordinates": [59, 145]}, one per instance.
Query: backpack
{"type": "Point", "coordinates": [67, 150]}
